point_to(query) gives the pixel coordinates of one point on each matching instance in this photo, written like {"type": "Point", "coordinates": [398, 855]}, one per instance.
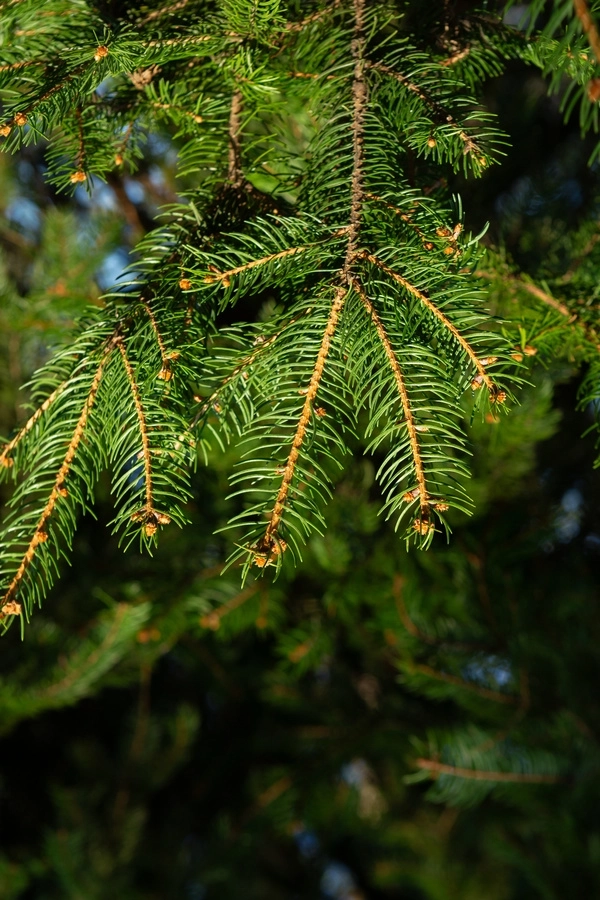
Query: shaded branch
{"type": "Point", "coordinates": [436, 769]}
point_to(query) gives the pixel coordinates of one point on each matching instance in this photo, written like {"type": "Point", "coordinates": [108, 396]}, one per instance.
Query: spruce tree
{"type": "Point", "coordinates": [316, 291]}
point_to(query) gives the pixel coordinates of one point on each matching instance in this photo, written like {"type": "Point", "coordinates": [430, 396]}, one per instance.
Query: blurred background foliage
{"type": "Point", "coordinates": [165, 735]}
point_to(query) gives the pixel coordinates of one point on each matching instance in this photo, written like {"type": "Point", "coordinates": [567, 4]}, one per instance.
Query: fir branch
{"type": "Point", "coordinates": [495, 394]}
{"type": "Point", "coordinates": [456, 57]}
{"type": "Point", "coordinates": [359, 102]}
{"type": "Point", "coordinates": [58, 490]}
{"type": "Point", "coordinates": [535, 291]}
{"type": "Point", "coordinates": [163, 11]}
{"type": "Point", "coordinates": [313, 17]}
{"type": "Point", "coordinates": [269, 543]}
{"type": "Point", "coordinates": [166, 372]}
{"type": "Point", "coordinates": [212, 620]}
{"type": "Point", "coordinates": [415, 449]}
{"type": "Point", "coordinates": [437, 768]}
{"type": "Point", "coordinates": [486, 693]}
{"type": "Point", "coordinates": [148, 516]}
{"type": "Point", "coordinates": [5, 459]}
{"type": "Point", "coordinates": [443, 115]}
{"type": "Point", "coordinates": [225, 277]}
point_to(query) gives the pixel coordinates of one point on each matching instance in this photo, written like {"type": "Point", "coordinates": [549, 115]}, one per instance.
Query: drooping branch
{"type": "Point", "coordinates": [482, 375]}
{"type": "Point", "coordinates": [437, 768]}
{"type": "Point", "coordinates": [59, 490]}
{"type": "Point", "coordinates": [422, 492]}
{"type": "Point", "coordinates": [269, 543]}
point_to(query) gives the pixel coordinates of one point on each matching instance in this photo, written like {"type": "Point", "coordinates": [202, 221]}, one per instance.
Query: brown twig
{"type": "Point", "coordinates": [532, 289]}
{"type": "Point", "coordinates": [212, 620]}
{"type": "Point", "coordinates": [234, 173]}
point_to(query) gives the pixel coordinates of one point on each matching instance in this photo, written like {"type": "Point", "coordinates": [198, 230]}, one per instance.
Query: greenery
{"type": "Point", "coordinates": [304, 300]}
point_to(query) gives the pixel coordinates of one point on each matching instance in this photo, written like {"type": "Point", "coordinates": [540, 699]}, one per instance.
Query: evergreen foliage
{"type": "Point", "coordinates": [313, 292]}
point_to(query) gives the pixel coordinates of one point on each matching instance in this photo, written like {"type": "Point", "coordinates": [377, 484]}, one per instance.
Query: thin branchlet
{"type": "Point", "coordinates": [59, 490]}
{"type": "Point", "coordinates": [148, 516]}
{"type": "Point", "coordinates": [5, 456]}
{"type": "Point", "coordinates": [436, 769]}
{"type": "Point", "coordinates": [482, 373]}
{"type": "Point", "coordinates": [441, 114]}
{"type": "Point", "coordinates": [269, 541]}
{"type": "Point", "coordinates": [413, 436]}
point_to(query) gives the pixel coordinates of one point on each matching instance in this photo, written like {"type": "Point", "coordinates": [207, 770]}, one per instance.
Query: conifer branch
{"type": "Point", "coordinates": [40, 535]}
{"type": "Point", "coordinates": [212, 620]}
{"type": "Point", "coordinates": [495, 394]}
{"type": "Point", "coordinates": [533, 289]}
{"type": "Point", "coordinates": [163, 11]}
{"type": "Point", "coordinates": [456, 57]}
{"type": "Point", "coordinates": [225, 277]}
{"type": "Point", "coordinates": [406, 217]}
{"type": "Point", "coordinates": [5, 459]}
{"type": "Point", "coordinates": [437, 768]}
{"type": "Point", "coordinates": [269, 542]}
{"type": "Point", "coordinates": [423, 493]}
{"type": "Point", "coordinates": [314, 17]}
{"type": "Point", "coordinates": [269, 545]}
{"type": "Point", "coordinates": [166, 372]}
{"type": "Point", "coordinates": [487, 693]}
{"type": "Point", "coordinates": [470, 146]}
{"type": "Point", "coordinates": [148, 516]}
{"type": "Point", "coordinates": [359, 103]}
